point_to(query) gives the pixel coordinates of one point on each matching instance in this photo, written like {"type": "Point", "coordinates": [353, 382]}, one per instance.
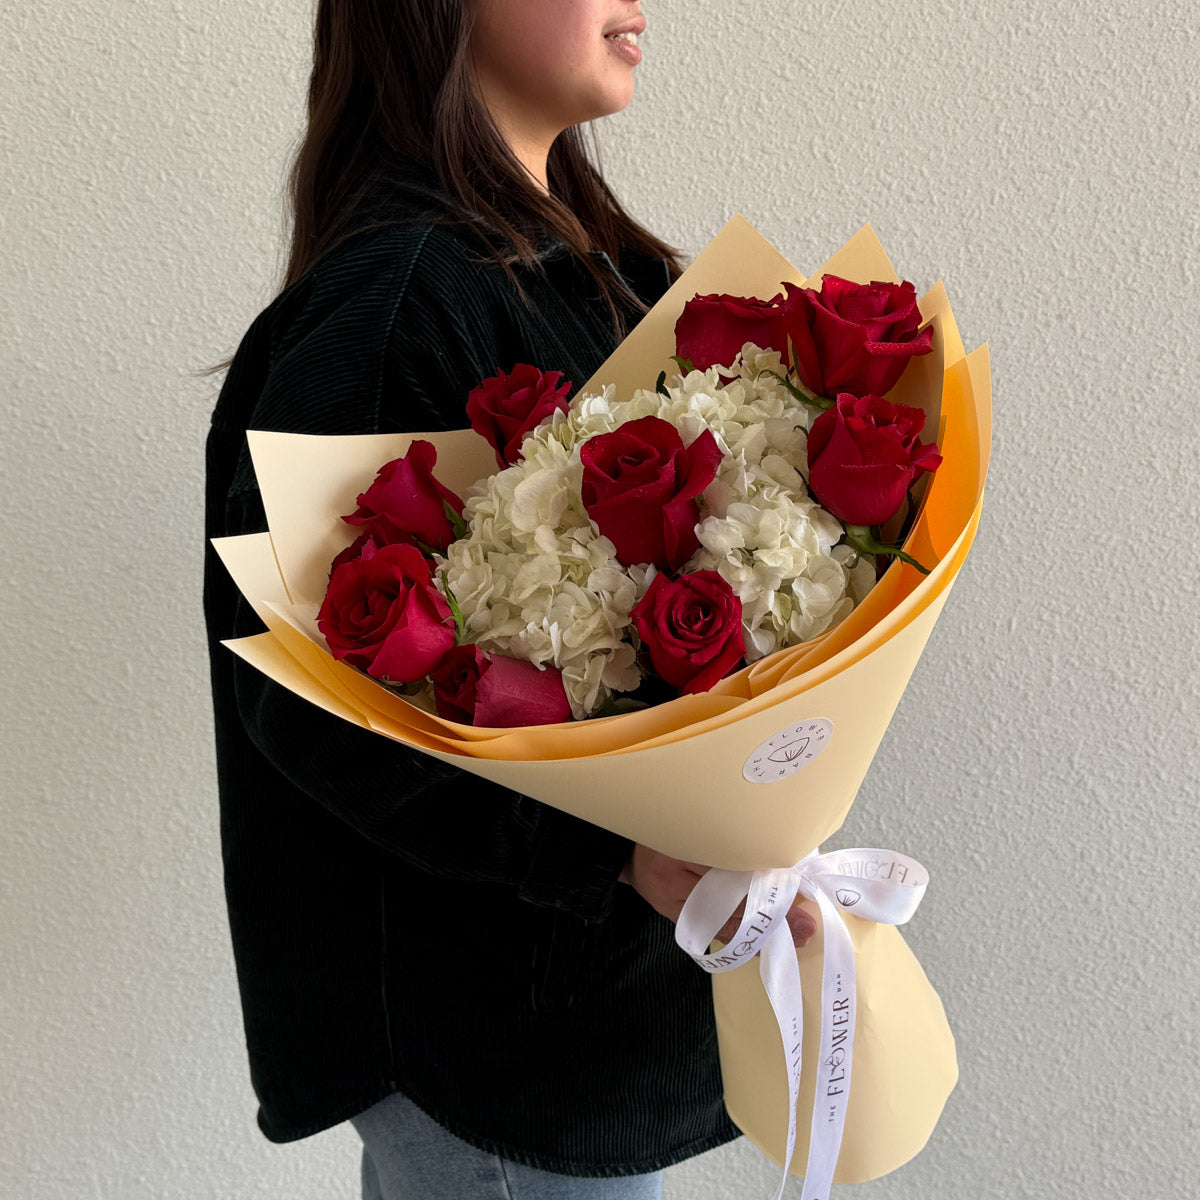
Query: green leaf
{"type": "Point", "coordinates": [684, 364]}
{"type": "Point", "coordinates": [616, 706]}
{"type": "Point", "coordinates": [460, 623]}
{"type": "Point", "coordinates": [405, 690]}
{"type": "Point", "coordinates": [457, 525]}
{"type": "Point", "coordinates": [862, 539]}
{"type": "Point", "coordinates": [660, 384]}
{"type": "Point", "coordinates": [802, 393]}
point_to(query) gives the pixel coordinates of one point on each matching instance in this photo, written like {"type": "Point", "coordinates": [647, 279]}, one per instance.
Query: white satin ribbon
{"type": "Point", "coordinates": [876, 885]}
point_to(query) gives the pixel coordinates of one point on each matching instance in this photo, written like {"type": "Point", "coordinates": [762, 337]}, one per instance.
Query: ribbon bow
{"type": "Point", "coordinates": [876, 885]}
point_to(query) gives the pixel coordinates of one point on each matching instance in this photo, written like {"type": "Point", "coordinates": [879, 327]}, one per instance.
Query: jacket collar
{"type": "Point", "coordinates": [410, 191]}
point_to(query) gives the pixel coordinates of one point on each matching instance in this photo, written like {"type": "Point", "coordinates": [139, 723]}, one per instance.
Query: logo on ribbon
{"type": "Point", "coordinates": [847, 897]}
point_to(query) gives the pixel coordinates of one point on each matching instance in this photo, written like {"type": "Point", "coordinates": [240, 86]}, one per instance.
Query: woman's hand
{"type": "Point", "coordinates": [665, 883]}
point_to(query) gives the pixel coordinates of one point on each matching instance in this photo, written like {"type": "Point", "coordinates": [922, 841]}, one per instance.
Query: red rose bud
{"type": "Point", "coordinates": [473, 687]}
{"type": "Point", "coordinates": [383, 615]}
{"type": "Point", "coordinates": [863, 456]}
{"type": "Point", "coordinates": [640, 485]}
{"type": "Point", "coordinates": [406, 504]}
{"type": "Point", "coordinates": [854, 337]}
{"type": "Point", "coordinates": [504, 408]}
{"type": "Point", "coordinates": [712, 330]}
{"type": "Point", "coordinates": [692, 629]}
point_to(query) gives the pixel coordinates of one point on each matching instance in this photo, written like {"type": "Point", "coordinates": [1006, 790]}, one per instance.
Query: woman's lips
{"type": "Point", "coordinates": [623, 39]}
{"type": "Point", "coordinates": [624, 45]}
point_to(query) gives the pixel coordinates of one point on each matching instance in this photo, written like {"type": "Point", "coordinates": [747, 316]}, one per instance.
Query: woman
{"type": "Point", "coordinates": [455, 967]}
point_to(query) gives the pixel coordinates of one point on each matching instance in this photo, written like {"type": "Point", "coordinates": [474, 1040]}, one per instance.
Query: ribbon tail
{"type": "Point", "coordinates": [839, 1004]}
{"type": "Point", "coordinates": [780, 973]}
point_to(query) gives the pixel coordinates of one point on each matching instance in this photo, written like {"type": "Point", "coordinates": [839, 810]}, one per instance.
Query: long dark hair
{"type": "Point", "coordinates": [391, 85]}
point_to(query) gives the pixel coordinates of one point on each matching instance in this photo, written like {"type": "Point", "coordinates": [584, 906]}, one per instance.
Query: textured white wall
{"type": "Point", "coordinates": [1040, 156]}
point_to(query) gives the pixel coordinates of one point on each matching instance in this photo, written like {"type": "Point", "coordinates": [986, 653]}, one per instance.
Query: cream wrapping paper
{"type": "Point", "coordinates": [754, 774]}
{"type": "Point", "coordinates": [824, 1004]}
{"type": "Point", "coordinates": [904, 1060]}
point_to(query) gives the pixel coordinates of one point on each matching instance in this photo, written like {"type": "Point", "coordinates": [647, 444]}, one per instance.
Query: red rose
{"type": "Point", "coordinates": [477, 688]}
{"type": "Point", "coordinates": [863, 456]}
{"type": "Point", "coordinates": [382, 614]}
{"type": "Point", "coordinates": [712, 330]}
{"type": "Point", "coordinates": [640, 485]}
{"type": "Point", "coordinates": [406, 503]}
{"type": "Point", "coordinates": [692, 629]}
{"type": "Point", "coordinates": [505, 408]}
{"type": "Point", "coordinates": [854, 337]}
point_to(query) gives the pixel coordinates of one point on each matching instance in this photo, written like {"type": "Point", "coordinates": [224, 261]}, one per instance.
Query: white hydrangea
{"type": "Point", "coordinates": [535, 579]}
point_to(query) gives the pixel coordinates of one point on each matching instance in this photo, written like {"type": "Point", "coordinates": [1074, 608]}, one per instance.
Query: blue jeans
{"type": "Point", "coordinates": [408, 1156]}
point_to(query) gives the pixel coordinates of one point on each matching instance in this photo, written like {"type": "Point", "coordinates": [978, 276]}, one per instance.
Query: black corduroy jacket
{"type": "Point", "coordinates": [397, 923]}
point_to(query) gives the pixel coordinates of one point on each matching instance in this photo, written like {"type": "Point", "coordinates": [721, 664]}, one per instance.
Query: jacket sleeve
{"type": "Point", "coordinates": [392, 357]}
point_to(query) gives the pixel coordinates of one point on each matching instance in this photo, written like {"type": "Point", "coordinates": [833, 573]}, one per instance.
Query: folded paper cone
{"type": "Point", "coordinates": [756, 772]}
{"type": "Point", "coordinates": [904, 1060]}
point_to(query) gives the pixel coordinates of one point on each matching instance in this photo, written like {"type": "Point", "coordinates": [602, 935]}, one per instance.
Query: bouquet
{"type": "Point", "coordinates": [755, 760]}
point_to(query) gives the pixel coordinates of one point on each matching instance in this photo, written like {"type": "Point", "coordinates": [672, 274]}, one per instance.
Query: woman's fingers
{"type": "Point", "coordinates": [665, 884]}
{"type": "Point", "coordinates": [802, 923]}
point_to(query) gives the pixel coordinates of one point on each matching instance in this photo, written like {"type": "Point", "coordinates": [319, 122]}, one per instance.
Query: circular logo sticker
{"type": "Point", "coordinates": [788, 751]}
